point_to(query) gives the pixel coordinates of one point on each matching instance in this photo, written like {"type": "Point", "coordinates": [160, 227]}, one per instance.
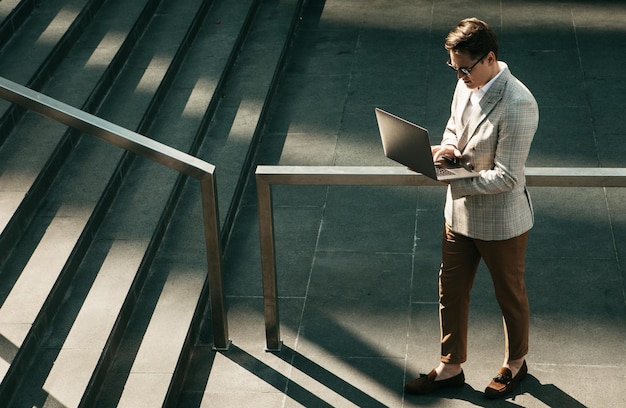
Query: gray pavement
{"type": "Point", "coordinates": [357, 266]}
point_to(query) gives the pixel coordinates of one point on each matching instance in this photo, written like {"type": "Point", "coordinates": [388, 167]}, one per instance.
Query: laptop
{"type": "Point", "coordinates": [408, 144]}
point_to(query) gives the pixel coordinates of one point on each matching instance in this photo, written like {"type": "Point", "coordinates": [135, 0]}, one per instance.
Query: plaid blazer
{"type": "Point", "coordinates": [496, 205]}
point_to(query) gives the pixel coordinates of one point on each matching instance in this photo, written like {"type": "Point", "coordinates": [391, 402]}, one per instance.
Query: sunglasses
{"type": "Point", "coordinates": [464, 70]}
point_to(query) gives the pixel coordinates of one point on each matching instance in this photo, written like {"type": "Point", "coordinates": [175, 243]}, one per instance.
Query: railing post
{"type": "Point", "coordinates": [214, 260]}
{"type": "Point", "coordinates": [268, 264]}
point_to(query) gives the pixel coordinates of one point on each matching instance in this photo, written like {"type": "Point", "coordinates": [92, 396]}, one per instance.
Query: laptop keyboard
{"type": "Point", "coordinates": [443, 172]}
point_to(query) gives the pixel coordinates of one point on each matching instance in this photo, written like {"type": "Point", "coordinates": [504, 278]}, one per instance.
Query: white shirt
{"type": "Point", "coordinates": [477, 95]}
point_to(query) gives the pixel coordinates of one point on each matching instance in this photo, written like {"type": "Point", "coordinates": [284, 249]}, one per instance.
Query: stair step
{"type": "Point", "coordinates": [12, 14]}
{"type": "Point", "coordinates": [26, 173]}
{"type": "Point", "coordinates": [38, 47]}
{"type": "Point", "coordinates": [154, 369]}
{"type": "Point", "coordinates": [234, 132]}
{"type": "Point", "coordinates": [131, 216]}
{"type": "Point", "coordinates": [82, 350]}
{"type": "Point", "coordinates": [35, 40]}
{"type": "Point", "coordinates": [77, 196]}
{"type": "Point", "coordinates": [8, 7]}
{"type": "Point", "coordinates": [116, 243]}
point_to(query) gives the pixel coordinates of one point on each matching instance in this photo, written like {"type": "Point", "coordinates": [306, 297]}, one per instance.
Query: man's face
{"type": "Point", "coordinates": [480, 69]}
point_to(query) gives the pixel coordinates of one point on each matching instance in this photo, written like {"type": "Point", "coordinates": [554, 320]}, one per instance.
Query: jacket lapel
{"type": "Point", "coordinates": [487, 103]}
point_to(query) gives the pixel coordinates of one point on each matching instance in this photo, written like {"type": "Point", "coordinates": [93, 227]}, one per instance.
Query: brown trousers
{"type": "Point", "coordinates": [505, 260]}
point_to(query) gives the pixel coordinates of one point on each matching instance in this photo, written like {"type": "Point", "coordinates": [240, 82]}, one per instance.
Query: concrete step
{"type": "Point", "coordinates": [103, 280]}
{"type": "Point", "coordinates": [155, 372]}
{"type": "Point", "coordinates": [74, 208]}
{"type": "Point", "coordinates": [25, 51]}
{"type": "Point", "coordinates": [46, 35]}
{"type": "Point", "coordinates": [83, 79]}
{"type": "Point", "coordinates": [137, 221]}
{"type": "Point", "coordinates": [34, 147]}
{"type": "Point", "coordinates": [12, 14]}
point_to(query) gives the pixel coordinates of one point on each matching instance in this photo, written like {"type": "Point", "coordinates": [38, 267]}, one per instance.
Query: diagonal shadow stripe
{"type": "Point", "coordinates": [274, 378]}
{"type": "Point", "coordinates": [8, 350]}
{"type": "Point", "coordinates": [328, 379]}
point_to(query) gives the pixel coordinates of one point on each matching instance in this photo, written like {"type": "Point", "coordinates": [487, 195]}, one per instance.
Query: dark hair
{"type": "Point", "coordinates": [472, 36]}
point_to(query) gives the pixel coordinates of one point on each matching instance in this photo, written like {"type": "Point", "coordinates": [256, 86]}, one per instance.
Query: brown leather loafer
{"type": "Point", "coordinates": [504, 383]}
{"type": "Point", "coordinates": [426, 383]}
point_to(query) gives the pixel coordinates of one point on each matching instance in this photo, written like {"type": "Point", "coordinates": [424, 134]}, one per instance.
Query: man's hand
{"type": "Point", "coordinates": [439, 151]}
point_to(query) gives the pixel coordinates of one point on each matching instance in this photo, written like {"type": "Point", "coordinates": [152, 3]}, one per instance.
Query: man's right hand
{"type": "Point", "coordinates": [439, 151]}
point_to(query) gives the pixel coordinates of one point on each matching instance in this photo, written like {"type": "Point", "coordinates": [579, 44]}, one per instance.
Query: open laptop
{"type": "Point", "coordinates": [408, 144]}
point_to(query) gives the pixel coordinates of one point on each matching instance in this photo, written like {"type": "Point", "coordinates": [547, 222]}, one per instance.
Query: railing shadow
{"type": "Point", "coordinates": [274, 378]}
{"type": "Point", "coordinates": [326, 378]}
{"type": "Point", "coordinates": [548, 394]}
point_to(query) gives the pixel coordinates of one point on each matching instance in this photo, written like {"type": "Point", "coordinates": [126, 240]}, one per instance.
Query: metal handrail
{"type": "Point", "coordinates": [266, 176]}
{"type": "Point", "coordinates": [157, 152]}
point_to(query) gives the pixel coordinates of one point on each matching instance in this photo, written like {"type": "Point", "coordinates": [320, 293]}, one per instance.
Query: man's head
{"type": "Point", "coordinates": [472, 36]}
{"type": "Point", "coordinates": [473, 50]}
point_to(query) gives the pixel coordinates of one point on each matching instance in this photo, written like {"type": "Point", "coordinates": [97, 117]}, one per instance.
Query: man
{"type": "Point", "coordinates": [492, 123]}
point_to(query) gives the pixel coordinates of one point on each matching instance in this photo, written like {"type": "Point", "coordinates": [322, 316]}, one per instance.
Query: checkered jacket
{"type": "Point", "coordinates": [496, 205]}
